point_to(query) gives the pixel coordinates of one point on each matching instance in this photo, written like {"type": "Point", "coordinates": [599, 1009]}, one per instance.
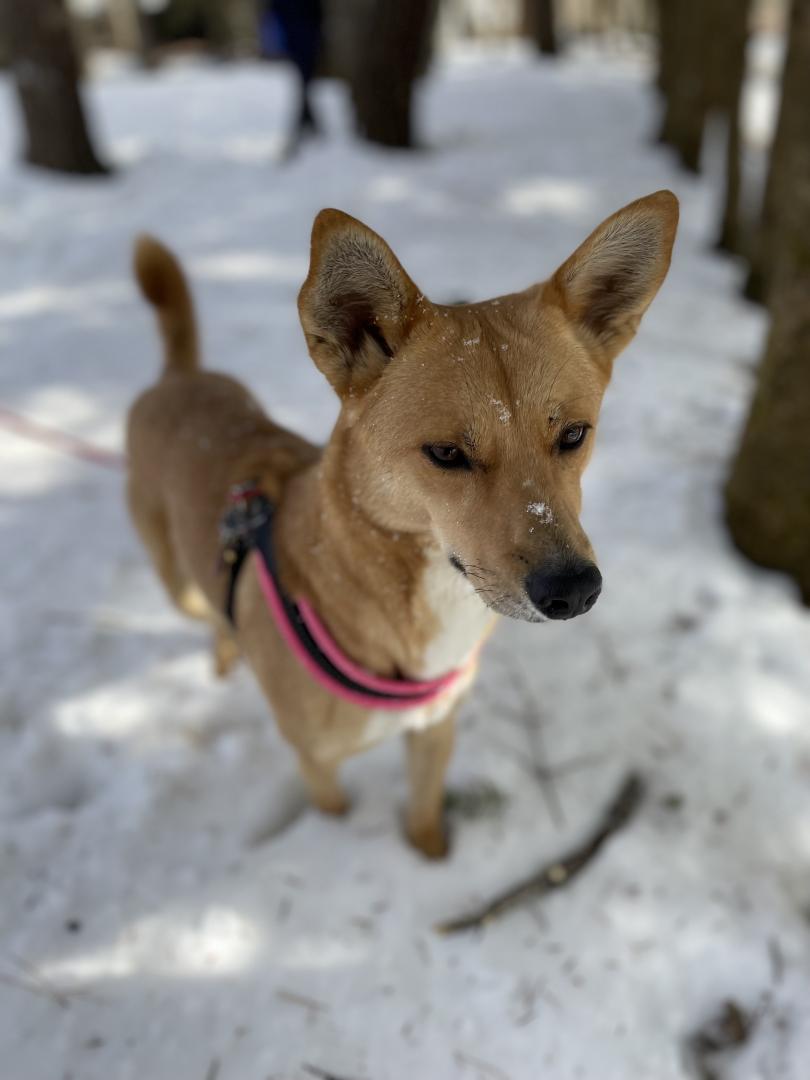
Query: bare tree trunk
{"type": "Point", "coordinates": [667, 44]}
{"type": "Point", "coordinates": [685, 78]}
{"type": "Point", "coordinates": [768, 493]}
{"type": "Point", "coordinates": [46, 74]}
{"type": "Point", "coordinates": [130, 30]}
{"type": "Point", "coordinates": [394, 38]}
{"type": "Point", "coordinates": [701, 68]}
{"type": "Point", "coordinates": [125, 25]}
{"type": "Point", "coordinates": [777, 194]}
{"type": "Point", "coordinates": [727, 38]}
{"type": "Point", "coordinates": [233, 26]}
{"type": "Point", "coordinates": [728, 238]}
{"type": "Point", "coordinates": [540, 25]}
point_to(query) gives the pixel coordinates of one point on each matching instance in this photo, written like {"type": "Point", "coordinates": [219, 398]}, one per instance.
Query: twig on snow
{"type": "Point", "coordinates": [559, 873]}
{"type": "Point", "coordinates": [482, 1067]}
{"type": "Point", "coordinates": [528, 716]}
{"type": "Point", "coordinates": [322, 1074]}
{"type": "Point", "coordinates": [34, 982]}
{"type": "Point", "coordinates": [534, 731]}
{"type": "Point", "coordinates": [20, 982]}
{"type": "Point", "coordinates": [310, 1004]}
{"type": "Point", "coordinates": [731, 1027]}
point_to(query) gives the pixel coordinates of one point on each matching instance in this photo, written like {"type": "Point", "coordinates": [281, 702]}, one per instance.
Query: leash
{"type": "Point", "coordinates": [247, 528]}
{"type": "Point", "coordinates": [59, 441]}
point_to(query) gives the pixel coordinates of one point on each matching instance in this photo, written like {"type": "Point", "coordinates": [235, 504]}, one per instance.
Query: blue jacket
{"type": "Point", "coordinates": [293, 28]}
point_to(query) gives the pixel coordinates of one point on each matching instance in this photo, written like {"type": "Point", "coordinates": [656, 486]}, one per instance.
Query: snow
{"type": "Point", "coordinates": [169, 907]}
{"type": "Point", "coordinates": [541, 510]}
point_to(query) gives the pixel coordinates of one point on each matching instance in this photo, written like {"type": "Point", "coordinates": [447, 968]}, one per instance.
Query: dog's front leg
{"type": "Point", "coordinates": [429, 751]}
{"type": "Point", "coordinates": [323, 785]}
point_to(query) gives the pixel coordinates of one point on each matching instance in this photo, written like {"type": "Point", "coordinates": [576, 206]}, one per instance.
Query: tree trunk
{"type": "Point", "coordinates": [130, 30]}
{"type": "Point", "coordinates": [45, 69]}
{"type": "Point", "coordinates": [768, 493]}
{"type": "Point", "coordinates": [232, 26]}
{"type": "Point", "coordinates": [125, 25]}
{"type": "Point", "coordinates": [727, 38]}
{"type": "Point", "coordinates": [700, 71]}
{"type": "Point", "coordinates": [685, 78]}
{"type": "Point", "coordinates": [777, 193]}
{"type": "Point", "coordinates": [667, 44]}
{"type": "Point", "coordinates": [539, 25]}
{"type": "Point", "coordinates": [394, 37]}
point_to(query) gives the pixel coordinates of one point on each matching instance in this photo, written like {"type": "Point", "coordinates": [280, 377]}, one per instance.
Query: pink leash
{"type": "Point", "coordinates": [59, 441]}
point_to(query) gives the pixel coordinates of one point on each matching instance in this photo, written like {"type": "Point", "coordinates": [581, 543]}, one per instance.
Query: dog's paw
{"type": "Point", "coordinates": [430, 841]}
{"type": "Point", "coordinates": [223, 668]}
{"type": "Point", "coordinates": [226, 656]}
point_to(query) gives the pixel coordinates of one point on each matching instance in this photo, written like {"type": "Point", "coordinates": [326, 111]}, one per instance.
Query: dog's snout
{"type": "Point", "coordinates": [563, 592]}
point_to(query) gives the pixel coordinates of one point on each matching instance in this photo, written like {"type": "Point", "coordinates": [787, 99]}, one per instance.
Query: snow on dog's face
{"type": "Point", "coordinates": [473, 424]}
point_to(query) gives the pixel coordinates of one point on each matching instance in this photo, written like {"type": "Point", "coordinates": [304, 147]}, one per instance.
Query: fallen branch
{"type": "Point", "coordinates": [300, 999]}
{"type": "Point", "coordinates": [321, 1074]}
{"type": "Point", "coordinates": [33, 982]}
{"type": "Point", "coordinates": [560, 872]}
{"type": "Point", "coordinates": [20, 982]}
{"type": "Point", "coordinates": [482, 1067]}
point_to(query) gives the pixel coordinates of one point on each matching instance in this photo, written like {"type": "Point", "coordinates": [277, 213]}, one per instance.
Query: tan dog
{"type": "Point", "coordinates": [448, 492]}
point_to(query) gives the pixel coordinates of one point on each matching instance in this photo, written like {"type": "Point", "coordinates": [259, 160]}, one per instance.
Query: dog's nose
{"type": "Point", "coordinates": [563, 592]}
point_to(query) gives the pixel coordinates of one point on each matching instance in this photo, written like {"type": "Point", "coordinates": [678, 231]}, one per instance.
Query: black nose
{"type": "Point", "coordinates": [563, 591]}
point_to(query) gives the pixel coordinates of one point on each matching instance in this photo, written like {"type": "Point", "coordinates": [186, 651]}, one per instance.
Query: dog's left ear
{"type": "Point", "coordinates": [357, 304]}
{"type": "Point", "coordinates": [609, 282]}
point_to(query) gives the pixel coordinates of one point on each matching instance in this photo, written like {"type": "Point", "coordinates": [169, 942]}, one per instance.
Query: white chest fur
{"type": "Point", "coordinates": [461, 616]}
{"type": "Point", "coordinates": [462, 620]}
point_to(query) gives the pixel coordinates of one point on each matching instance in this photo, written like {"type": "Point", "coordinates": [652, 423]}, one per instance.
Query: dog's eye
{"type": "Point", "coordinates": [446, 456]}
{"type": "Point", "coordinates": [572, 436]}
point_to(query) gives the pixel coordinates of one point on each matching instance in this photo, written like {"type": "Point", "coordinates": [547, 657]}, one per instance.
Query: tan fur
{"type": "Point", "coordinates": [366, 527]}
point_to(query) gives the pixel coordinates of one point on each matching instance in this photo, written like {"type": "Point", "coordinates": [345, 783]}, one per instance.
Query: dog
{"type": "Point", "coordinates": [359, 581]}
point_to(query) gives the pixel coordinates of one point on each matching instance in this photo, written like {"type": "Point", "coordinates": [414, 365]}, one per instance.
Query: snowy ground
{"type": "Point", "coordinates": [155, 920]}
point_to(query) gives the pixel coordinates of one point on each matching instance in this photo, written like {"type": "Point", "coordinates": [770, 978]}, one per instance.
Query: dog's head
{"type": "Point", "coordinates": [474, 423]}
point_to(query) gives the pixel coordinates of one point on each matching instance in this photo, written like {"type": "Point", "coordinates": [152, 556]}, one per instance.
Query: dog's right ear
{"type": "Point", "coordinates": [357, 305]}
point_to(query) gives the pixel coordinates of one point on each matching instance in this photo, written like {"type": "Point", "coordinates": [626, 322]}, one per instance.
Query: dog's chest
{"type": "Point", "coordinates": [460, 616]}
{"type": "Point", "coordinates": [460, 620]}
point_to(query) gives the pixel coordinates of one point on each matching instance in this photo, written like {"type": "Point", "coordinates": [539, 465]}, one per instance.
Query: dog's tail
{"type": "Point", "coordinates": [164, 285]}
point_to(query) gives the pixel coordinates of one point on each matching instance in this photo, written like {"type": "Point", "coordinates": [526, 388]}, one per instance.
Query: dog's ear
{"type": "Point", "coordinates": [357, 304]}
{"type": "Point", "coordinates": [611, 279]}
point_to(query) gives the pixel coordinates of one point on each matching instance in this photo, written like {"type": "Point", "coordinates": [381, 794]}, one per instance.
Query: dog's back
{"type": "Point", "coordinates": [194, 433]}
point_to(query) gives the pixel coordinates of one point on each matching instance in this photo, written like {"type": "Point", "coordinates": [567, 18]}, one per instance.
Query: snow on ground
{"type": "Point", "coordinates": [157, 920]}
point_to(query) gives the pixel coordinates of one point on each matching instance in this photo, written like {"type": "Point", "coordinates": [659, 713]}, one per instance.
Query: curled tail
{"type": "Point", "coordinates": [164, 285]}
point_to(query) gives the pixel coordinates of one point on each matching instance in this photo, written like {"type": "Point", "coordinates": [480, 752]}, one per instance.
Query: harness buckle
{"type": "Point", "coordinates": [248, 511]}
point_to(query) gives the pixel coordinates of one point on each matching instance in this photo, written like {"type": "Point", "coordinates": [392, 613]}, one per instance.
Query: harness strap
{"type": "Point", "coordinates": [248, 528]}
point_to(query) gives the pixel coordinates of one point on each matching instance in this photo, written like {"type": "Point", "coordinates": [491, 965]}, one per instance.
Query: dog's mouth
{"type": "Point", "coordinates": [496, 599]}
{"type": "Point", "coordinates": [521, 609]}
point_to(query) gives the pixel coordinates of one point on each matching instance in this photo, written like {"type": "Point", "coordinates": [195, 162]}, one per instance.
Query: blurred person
{"type": "Point", "coordinates": [294, 28]}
